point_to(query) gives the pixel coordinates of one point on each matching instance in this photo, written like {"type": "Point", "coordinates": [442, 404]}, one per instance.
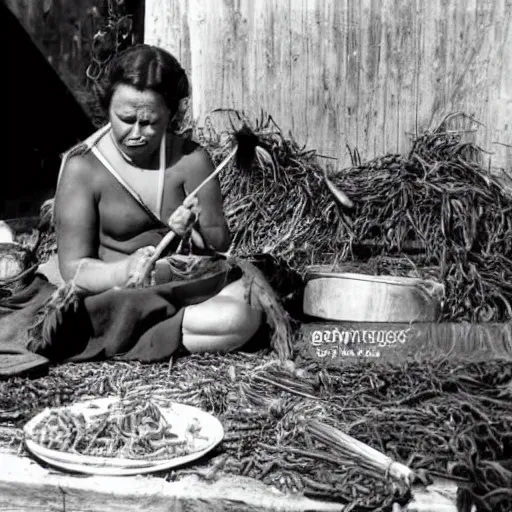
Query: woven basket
{"type": "Point", "coordinates": [17, 267]}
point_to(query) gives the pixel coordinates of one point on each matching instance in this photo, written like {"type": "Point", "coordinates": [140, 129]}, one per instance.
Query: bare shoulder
{"type": "Point", "coordinates": [82, 170]}
{"type": "Point", "coordinates": [196, 160]}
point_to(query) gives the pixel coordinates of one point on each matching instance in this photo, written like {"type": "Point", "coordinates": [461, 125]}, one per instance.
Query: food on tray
{"type": "Point", "coordinates": [128, 429]}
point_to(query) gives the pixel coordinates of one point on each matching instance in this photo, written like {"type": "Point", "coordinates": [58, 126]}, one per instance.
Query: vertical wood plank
{"type": "Point", "coordinates": [166, 25]}
{"type": "Point", "coordinates": [369, 74]}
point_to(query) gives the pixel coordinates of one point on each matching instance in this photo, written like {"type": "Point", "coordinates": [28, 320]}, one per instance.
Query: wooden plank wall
{"type": "Point", "coordinates": [367, 73]}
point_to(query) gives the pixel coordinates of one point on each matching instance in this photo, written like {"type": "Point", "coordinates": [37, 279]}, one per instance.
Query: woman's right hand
{"type": "Point", "coordinates": [137, 272]}
{"type": "Point", "coordinates": [184, 217]}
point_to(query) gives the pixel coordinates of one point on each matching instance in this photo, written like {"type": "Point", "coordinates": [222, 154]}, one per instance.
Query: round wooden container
{"type": "Point", "coordinates": [364, 298]}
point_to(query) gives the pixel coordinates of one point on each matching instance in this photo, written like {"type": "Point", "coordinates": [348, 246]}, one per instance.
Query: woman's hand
{"type": "Point", "coordinates": [184, 217]}
{"type": "Point", "coordinates": [137, 263]}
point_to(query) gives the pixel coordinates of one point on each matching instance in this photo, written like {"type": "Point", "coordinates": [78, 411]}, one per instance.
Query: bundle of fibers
{"type": "Point", "coordinates": [438, 201]}
{"type": "Point", "coordinates": [283, 207]}
{"type": "Point", "coordinates": [261, 293]}
{"type": "Point", "coordinates": [442, 200]}
{"type": "Point", "coordinates": [441, 417]}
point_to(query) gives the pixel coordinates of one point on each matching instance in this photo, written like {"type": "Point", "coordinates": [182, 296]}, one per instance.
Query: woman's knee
{"type": "Point", "coordinates": [220, 315]}
{"type": "Point", "coordinates": [222, 324]}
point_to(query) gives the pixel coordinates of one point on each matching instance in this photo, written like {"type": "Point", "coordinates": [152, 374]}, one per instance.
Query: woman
{"type": "Point", "coordinates": [117, 198]}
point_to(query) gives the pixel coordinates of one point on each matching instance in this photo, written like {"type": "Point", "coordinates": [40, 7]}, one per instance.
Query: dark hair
{"type": "Point", "coordinates": [146, 67]}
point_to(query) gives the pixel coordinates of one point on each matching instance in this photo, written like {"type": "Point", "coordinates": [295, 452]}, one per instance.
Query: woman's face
{"type": "Point", "coordinates": [139, 120]}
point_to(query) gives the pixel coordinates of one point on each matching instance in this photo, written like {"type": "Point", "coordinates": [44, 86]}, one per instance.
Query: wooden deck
{"type": "Point", "coordinates": [27, 486]}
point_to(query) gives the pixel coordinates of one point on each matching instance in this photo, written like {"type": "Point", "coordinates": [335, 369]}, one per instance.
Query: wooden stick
{"type": "Point", "coordinates": [169, 237]}
{"type": "Point", "coordinates": [221, 166]}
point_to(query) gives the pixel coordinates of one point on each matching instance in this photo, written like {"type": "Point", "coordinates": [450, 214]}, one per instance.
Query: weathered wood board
{"type": "Point", "coordinates": [26, 486]}
{"type": "Point", "coordinates": [337, 342]}
{"type": "Point", "coordinates": [367, 74]}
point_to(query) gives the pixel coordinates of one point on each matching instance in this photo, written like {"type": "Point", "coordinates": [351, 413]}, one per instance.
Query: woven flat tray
{"type": "Point", "coordinates": [178, 415]}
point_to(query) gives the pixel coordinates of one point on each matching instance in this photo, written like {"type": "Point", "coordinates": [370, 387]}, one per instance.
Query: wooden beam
{"type": "Point", "coordinates": [334, 343]}
{"type": "Point", "coordinates": [27, 486]}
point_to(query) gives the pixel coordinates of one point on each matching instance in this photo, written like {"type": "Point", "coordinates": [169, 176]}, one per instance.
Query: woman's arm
{"type": "Point", "coordinates": [212, 221]}
{"type": "Point", "coordinates": [77, 227]}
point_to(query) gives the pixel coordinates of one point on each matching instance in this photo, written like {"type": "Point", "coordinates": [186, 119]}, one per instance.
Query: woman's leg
{"type": "Point", "coordinates": [223, 323]}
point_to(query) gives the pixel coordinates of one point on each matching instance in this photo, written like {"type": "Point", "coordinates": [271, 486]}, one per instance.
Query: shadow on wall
{"type": "Point", "coordinates": [43, 120]}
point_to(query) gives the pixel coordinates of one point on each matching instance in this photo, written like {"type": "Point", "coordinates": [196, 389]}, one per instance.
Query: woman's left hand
{"type": "Point", "coordinates": [184, 217]}
{"type": "Point", "coordinates": [137, 267]}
